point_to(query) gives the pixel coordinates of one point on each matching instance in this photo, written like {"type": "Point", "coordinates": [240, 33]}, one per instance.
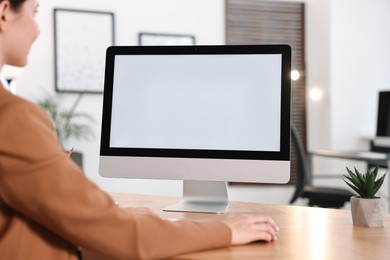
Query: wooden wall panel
{"type": "Point", "coordinates": [265, 22]}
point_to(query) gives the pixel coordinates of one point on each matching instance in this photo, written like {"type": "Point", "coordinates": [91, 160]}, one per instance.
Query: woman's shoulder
{"type": "Point", "coordinates": [11, 104]}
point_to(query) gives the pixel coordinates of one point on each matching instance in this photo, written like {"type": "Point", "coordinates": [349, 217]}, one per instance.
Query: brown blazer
{"type": "Point", "coordinates": [48, 207]}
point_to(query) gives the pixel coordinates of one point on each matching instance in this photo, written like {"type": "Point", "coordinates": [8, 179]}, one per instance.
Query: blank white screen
{"type": "Point", "coordinates": [216, 102]}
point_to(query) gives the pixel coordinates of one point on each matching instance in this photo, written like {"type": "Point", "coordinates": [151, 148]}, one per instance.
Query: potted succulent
{"type": "Point", "coordinates": [367, 209]}
{"type": "Point", "coordinates": [68, 123]}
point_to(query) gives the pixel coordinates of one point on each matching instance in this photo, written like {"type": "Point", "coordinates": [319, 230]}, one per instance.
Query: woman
{"type": "Point", "coordinates": [48, 208]}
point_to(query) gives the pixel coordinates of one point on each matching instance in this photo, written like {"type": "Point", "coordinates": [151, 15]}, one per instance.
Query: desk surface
{"type": "Point", "coordinates": [353, 155]}
{"type": "Point", "coordinates": [305, 233]}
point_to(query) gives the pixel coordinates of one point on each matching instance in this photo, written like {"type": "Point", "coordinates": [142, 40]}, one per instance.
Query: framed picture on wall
{"type": "Point", "coordinates": [81, 38]}
{"type": "Point", "coordinates": [146, 38]}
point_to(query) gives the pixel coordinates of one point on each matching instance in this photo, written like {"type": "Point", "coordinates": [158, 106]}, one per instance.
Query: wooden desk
{"type": "Point", "coordinates": [305, 233]}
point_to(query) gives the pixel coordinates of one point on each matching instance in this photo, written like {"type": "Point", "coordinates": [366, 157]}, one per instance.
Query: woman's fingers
{"type": "Point", "coordinates": [249, 228]}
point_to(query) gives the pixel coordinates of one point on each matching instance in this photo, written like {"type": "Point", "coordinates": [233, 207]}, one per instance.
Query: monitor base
{"type": "Point", "coordinates": [203, 197]}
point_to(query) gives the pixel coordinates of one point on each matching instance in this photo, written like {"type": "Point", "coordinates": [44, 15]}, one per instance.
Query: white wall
{"type": "Point", "coordinates": [347, 56]}
{"type": "Point", "coordinates": [360, 65]}
{"type": "Point", "coordinates": [317, 47]}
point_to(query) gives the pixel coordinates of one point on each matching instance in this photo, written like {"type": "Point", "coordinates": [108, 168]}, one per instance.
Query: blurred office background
{"type": "Point", "coordinates": [346, 61]}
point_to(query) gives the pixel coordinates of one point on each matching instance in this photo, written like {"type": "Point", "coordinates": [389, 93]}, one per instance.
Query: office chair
{"type": "Point", "coordinates": [325, 197]}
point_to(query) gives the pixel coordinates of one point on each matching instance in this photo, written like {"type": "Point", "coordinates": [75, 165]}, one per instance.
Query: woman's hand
{"type": "Point", "coordinates": [249, 228]}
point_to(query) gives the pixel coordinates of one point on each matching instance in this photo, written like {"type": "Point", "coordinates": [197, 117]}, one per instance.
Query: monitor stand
{"type": "Point", "coordinates": [203, 197]}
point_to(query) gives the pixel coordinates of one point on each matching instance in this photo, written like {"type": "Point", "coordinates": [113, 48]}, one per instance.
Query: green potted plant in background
{"type": "Point", "coordinates": [68, 123]}
{"type": "Point", "coordinates": [367, 209]}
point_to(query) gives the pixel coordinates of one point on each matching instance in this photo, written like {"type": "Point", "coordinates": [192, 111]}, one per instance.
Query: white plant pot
{"type": "Point", "coordinates": [367, 212]}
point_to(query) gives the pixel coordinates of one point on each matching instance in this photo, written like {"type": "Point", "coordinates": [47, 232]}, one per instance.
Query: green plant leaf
{"type": "Point", "coordinates": [350, 180]}
{"type": "Point", "coordinates": [361, 176]}
{"type": "Point", "coordinates": [378, 184]}
{"type": "Point", "coordinates": [375, 171]}
{"type": "Point", "coordinates": [369, 185]}
{"type": "Point", "coordinates": [354, 188]}
{"type": "Point", "coordinates": [355, 179]}
{"type": "Point", "coordinates": [366, 185]}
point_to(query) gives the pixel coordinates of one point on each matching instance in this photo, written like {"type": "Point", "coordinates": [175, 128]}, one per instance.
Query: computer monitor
{"type": "Point", "coordinates": [381, 142]}
{"type": "Point", "coordinates": [206, 115]}
{"type": "Point", "coordinates": [383, 116]}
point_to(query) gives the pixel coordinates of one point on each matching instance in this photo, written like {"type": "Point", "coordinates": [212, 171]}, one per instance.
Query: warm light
{"type": "Point", "coordinates": [316, 250]}
{"type": "Point", "coordinates": [295, 75]}
{"type": "Point", "coordinates": [315, 94]}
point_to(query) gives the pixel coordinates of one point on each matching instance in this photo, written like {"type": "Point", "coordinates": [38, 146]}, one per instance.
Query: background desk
{"type": "Point", "coordinates": [371, 158]}
{"type": "Point", "coordinates": [305, 233]}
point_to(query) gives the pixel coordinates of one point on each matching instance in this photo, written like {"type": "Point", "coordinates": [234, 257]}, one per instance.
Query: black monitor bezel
{"type": "Point", "coordinates": [283, 154]}
{"type": "Point", "coordinates": [383, 114]}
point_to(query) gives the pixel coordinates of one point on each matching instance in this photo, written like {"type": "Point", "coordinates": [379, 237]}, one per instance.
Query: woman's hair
{"type": "Point", "coordinates": [15, 4]}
